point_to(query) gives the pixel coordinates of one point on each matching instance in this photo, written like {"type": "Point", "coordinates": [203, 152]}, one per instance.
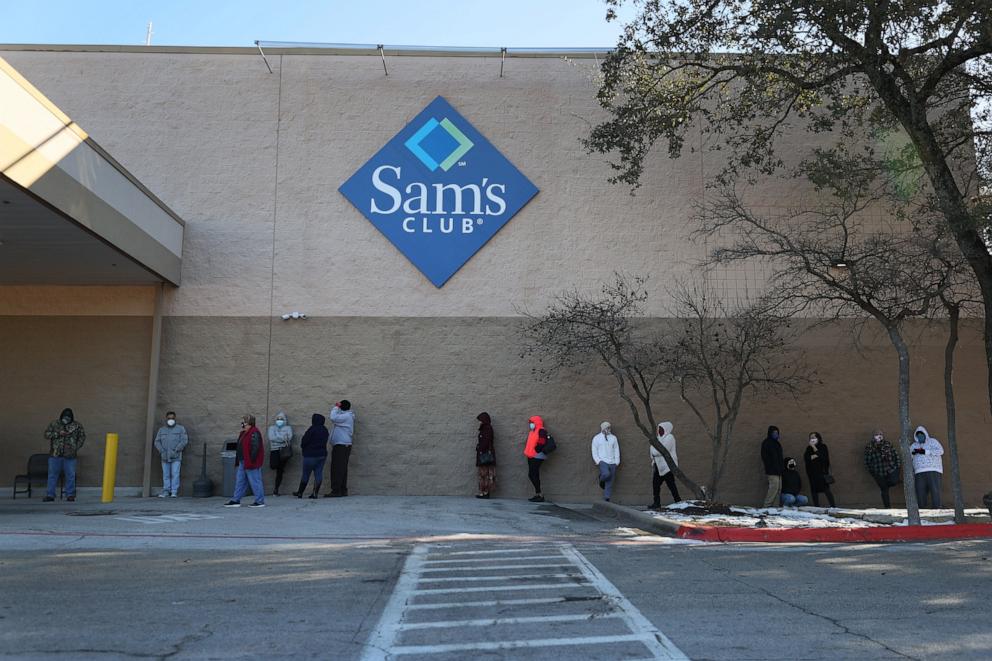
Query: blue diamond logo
{"type": "Point", "coordinates": [439, 191]}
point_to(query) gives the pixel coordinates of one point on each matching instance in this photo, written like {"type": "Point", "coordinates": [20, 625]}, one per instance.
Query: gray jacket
{"type": "Point", "coordinates": [170, 441]}
{"type": "Point", "coordinates": [280, 437]}
{"type": "Point", "coordinates": [344, 426]}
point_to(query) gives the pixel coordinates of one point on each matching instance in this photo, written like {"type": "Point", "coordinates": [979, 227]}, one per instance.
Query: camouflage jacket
{"type": "Point", "coordinates": [65, 444]}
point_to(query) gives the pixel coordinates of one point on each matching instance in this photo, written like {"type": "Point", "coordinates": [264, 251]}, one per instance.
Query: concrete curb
{"type": "Point", "coordinates": [668, 527]}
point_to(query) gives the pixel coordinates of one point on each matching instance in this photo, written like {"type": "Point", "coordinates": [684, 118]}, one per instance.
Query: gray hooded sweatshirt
{"type": "Point", "coordinates": [344, 426]}
{"type": "Point", "coordinates": [280, 437]}
{"type": "Point", "coordinates": [170, 442]}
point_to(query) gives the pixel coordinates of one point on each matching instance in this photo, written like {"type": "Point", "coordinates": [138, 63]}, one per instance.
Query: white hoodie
{"type": "Point", "coordinates": [933, 451]}
{"type": "Point", "coordinates": [605, 448]}
{"type": "Point", "coordinates": [667, 440]}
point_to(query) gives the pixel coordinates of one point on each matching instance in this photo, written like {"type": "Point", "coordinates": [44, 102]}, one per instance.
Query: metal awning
{"type": "Point", "coordinates": [70, 213]}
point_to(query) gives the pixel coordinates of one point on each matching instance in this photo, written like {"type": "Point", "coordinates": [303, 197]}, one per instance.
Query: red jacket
{"type": "Point", "coordinates": [251, 448]}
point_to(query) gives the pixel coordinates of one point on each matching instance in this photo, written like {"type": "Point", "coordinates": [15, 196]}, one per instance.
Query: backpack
{"type": "Point", "coordinates": [549, 445]}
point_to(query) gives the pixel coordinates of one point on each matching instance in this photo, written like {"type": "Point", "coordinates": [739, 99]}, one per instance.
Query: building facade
{"type": "Point", "coordinates": [252, 162]}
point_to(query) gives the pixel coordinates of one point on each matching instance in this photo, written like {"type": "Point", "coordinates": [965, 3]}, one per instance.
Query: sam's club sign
{"type": "Point", "coordinates": [438, 191]}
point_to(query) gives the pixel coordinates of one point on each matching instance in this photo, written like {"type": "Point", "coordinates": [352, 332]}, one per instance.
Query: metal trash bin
{"type": "Point", "coordinates": [228, 458]}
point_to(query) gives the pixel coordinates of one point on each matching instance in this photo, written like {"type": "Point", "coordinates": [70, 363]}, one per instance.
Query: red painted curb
{"type": "Point", "coordinates": [875, 534]}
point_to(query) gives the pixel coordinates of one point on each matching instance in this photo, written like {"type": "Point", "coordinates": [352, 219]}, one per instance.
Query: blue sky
{"type": "Point", "coordinates": [549, 23]}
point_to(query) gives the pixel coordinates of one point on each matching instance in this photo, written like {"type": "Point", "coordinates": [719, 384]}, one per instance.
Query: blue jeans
{"type": "Point", "coordinates": [58, 465]}
{"type": "Point", "coordinates": [313, 465]}
{"type": "Point", "coordinates": [607, 473]}
{"type": "Point", "coordinates": [170, 476]}
{"type": "Point", "coordinates": [794, 500]}
{"type": "Point", "coordinates": [245, 478]}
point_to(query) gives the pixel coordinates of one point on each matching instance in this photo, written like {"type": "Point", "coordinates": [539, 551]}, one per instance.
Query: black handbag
{"type": "Point", "coordinates": [286, 452]}
{"type": "Point", "coordinates": [828, 478]}
{"type": "Point", "coordinates": [487, 458]}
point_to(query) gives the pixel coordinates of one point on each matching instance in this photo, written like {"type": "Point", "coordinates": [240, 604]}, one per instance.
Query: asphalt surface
{"type": "Point", "coordinates": [458, 578]}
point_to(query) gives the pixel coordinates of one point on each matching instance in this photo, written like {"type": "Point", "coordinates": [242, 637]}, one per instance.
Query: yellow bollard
{"type": "Point", "coordinates": [109, 469]}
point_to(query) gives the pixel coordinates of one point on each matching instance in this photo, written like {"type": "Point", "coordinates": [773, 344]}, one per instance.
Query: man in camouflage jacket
{"type": "Point", "coordinates": [65, 436]}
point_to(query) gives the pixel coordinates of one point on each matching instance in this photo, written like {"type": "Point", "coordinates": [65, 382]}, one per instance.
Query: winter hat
{"type": "Point", "coordinates": [603, 426]}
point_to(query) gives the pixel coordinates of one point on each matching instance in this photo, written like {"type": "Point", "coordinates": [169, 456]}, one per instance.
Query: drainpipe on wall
{"type": "Point", "coordinates": [156, 350]}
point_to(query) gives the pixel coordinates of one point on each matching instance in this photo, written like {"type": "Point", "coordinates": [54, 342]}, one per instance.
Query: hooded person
{"type": "Point", "coordinates": [661, 472]}
{"type": "Point", "coordinates": [928, 467]}
{"type": "Point", "coordinates": [606, 457]}
{"type": "Point", "coordinates": [65, 436]}
{"type": "Point", "coordinates": [534, 455]}
{"type": "Point", "coordinates": [771, 459]}
{"type": "Point", "coordinates": [341, 438]}
{"type": "Point", "coordinates": [882, 461]}
{"type": "Point", "coordinates": [250, 459]}
{"type": "Point", "coordinates": [280, 447]}
{"type": "Point", "coordinates": [485, 456]}
{"type": "Point", "coordinates": [313, 447]}
{"type": "Point", "coordinates": [817, 460]}
{"type": "Point", "coordinates": [170, 441]}
{"type": "Point", "coordinates": [792, 485]}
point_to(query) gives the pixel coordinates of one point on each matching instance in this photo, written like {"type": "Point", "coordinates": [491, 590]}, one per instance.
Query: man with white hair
{"type": "Point", "coordinates": [606, 455]}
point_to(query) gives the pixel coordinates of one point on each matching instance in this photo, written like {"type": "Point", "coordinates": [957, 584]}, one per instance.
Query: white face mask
{"type": "Point", "coordinates": [812, 441]}
{"type": "Point", "coordinates": [171, 422]}
{"type": "Point", "coordinates": [280, 423]}
{"type": "Point", "coordinates": [533, 426]}
{"type": "Point", "coordinates": [878, 438]}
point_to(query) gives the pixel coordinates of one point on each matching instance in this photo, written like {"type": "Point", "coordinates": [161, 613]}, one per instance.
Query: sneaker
{"type": "Point", "coordinates": [257, 505]}
{"type": "Point", "coordinates": [654, 506]}
{"type": "Point", "coordinates": [232, 503]}
{"type": "Point", "coordinates": [71, 499]}
{"type": "Point", "coordinates": [313, 496]}
{"type": "Point", "coordinates": [536, 499]}
{"type": "Point", "coordinates": [47, 499]}
{"type": "Point", "coordinates": [163, 495]}
{"type": "Point", "coordinates": [174, 496]}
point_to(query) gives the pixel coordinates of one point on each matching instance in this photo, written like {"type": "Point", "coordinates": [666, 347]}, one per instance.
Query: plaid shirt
{"type": "Point", "coordinates": [881, 458]}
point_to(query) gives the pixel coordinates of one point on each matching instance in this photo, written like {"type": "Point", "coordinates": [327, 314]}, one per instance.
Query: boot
{"type": "Point", "coordinates": [299, 492]}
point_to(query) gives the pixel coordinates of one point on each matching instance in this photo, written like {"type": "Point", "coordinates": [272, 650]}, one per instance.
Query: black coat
{"type": "Point", "coordinates": [771, 456]}
{"type": "Point", "coordinates": [817, 465]}
{"type": "Point", "coordinates": [314, 441]}
{"type": "Point", "coordinates": [485, 442]}
{"type": "Point", "coordinates": [792, 482]}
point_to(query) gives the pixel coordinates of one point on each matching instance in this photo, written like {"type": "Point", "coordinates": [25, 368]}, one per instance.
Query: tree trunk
{"type": "Point", "coordinates": [905, 433]}
{"type": "Point", "coordinates": [695, 488]}
{"type": "Point", "coordinates": [954, 317]}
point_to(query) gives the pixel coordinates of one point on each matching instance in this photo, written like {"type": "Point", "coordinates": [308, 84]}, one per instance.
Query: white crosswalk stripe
{"type": "Point", "coordinates": [435, 608]}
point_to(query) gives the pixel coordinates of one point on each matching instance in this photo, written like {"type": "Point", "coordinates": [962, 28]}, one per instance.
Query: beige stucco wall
{"type": "Point", "coordinates": [252, 162]}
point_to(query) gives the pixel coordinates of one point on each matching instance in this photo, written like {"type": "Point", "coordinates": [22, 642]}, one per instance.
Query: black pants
{"type": "Point", "coordinates": [534, 473]}
{"type": "Point", "coordinates": [884, 482]}
{"type": "Point", "coordinates": [656, 481]}
{"type": "Point", "coordinates": [339, 469]}
{"type": "Point", "coordinates": [278, 464]}
{"type": "Point", "coordinates": [816, 497]}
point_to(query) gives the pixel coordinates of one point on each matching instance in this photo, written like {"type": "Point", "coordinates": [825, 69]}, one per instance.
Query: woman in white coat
{"type": "Point", "coordinates": [660, 471]}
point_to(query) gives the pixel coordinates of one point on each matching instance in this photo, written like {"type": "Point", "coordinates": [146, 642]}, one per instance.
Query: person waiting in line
{"type": "Point", "coordinates": [792, 486]}
{"type": "Point", "coordinates": [170, 441]}
{"type": "Point", "coordinates": [280, 447]}
{"type": "Point", "coordinates": [661, 472]}
{"type": "Point", "coordinates": [928, 467]}
{"type": "Point", "coordinates": [313, 447]}
{"type": "Point", "coordinates": [65, 436]}
{"type": "Point", "coordinates": [882, 461]}
{"type": "Point", "coordinates": [771, 458]}
{"type": "Point", "coordinates": [535, 438]}
{"type": "Point", "coordinates": [341, 438]}
{"type": "Point", "coordinates": [817, 460]}
{"type": "Point", "coordinates": [485, 456]}
{"type": "Point", "coordinates": [606, 456]}
{"type": "Point", "coordinates": [250, 459]}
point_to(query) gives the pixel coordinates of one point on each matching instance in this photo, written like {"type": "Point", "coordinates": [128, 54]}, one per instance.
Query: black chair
{"type": "Point", "coordinates": [37, 474]}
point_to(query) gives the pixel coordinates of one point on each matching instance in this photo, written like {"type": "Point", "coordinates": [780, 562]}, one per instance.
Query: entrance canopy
{"type": "Point", "coordinates": [69, 213]}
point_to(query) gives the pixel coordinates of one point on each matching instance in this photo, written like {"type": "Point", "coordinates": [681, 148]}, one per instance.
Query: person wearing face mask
{"type": "Point", "coordinates": [792, 486]}
{"type": "Point", "coordinates": [771, 458]}
{"type": "Point", "coordinates": [280, 447]}
{"type": "Point", "coordinates": [661, 472]}
{"type": "Point", "coordinates": [817, 460]}
{"type": "Point", "coordinates": [606, 456]}
{"type": "Point", "coordinates": [250, 459]}
{"type": "Point", "coordinates": [928, 467]}
{"type": "Point", "coordinates": [65, 436]}
{"type": "Point", "coordinates": [170, 441]}
{"type": "Point", "coordinates": [882, 461]}
{"type": "Point", "coordinates": [534, 456]}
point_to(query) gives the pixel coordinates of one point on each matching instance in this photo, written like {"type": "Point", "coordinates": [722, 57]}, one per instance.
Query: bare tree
{"type": "Point", "coordinates": [716, 354]}
{"type": "Point", "coordinates": [725, 352]}
{"type": "Point", "coordinates": [840, 256]}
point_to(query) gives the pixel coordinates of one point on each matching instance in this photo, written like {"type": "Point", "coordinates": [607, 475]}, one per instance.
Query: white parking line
{"type": "Point", "coordinates": [473, 560]}
{"type": "Point", "coordinates": [393, 634]}
{"type": "Point", "coordinates": [491, 567]}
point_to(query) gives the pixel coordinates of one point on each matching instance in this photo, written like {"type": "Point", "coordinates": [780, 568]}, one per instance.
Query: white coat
{"type": "Point", "coordinates": [605, 448]}
{"type": "Point", "coordinates": [668, 441]}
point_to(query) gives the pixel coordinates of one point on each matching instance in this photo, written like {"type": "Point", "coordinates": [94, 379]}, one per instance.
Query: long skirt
{"type": "Point", "coordinates": [487, 478]}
